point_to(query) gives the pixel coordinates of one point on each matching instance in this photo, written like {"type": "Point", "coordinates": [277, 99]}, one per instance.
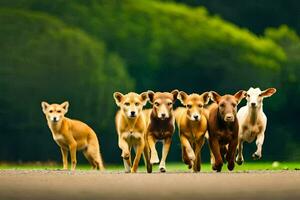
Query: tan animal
{"type": "Point", "coordinates": [192, 125]}
{"type": "Point", "coordinates": [131, 127]}
{"type": "Point", "coordinates": [253, 122]}
{"type": "Point", "coordinates": [72, 135]}
{"type": "Point", "coordinates": [161, 125]}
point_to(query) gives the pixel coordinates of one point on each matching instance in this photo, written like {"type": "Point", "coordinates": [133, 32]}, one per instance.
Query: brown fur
{"type": "Point", "coordinates": [72, 135]}
{"type": "Point", "coordinates": [223, 128]}
{"type": "Point", "coordinates": [161, 125]}
{"type": "Point", "coordinates": [131, 129]}
{"type": "Point", "coordinates": [192, 125]}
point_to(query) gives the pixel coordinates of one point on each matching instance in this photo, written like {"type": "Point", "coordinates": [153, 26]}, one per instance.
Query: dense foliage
{"type": "Point", "coordinates": [255, 15]}
{"type": "Point", "coordinates": [84, 50]}
{"type": "Point", "coordinates": [43, 59]}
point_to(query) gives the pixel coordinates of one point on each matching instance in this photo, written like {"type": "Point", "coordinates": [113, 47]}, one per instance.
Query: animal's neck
{"type": "Point", "coordinates": [252, 114]}
{"type": "Point", "coordinates": [131, 122]}
{"type": "Point", "coordinates": [56, 126]}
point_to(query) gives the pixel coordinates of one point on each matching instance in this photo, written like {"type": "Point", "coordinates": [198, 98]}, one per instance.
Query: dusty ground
{"type": "Point", "coordinates": [43, 184]}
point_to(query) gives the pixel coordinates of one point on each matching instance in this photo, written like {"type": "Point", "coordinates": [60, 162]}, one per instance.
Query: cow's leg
{"type": "Point", "coordinates": [189, 150]}
{"type": "Point", "coordinates": [165, 151]}
{"type": "Point", "coordinates": [153, 153]}
{"type": "Point", "coordinates": [147, 157]}
{"type": "Point", "coordinates": [124, 147]}
{"type": "Point", "coordinates": [259, 142]}
{"type": "Point", "coordinates": [231, 154]}
{"type": "Point", "coordinates": [239, 158]}
{"type": "Point", "coordinates": [215, 148]}
{"type": "Point", "coordinates": [138, 153]}
{"type": "Point", "coordinates": [198, 147]}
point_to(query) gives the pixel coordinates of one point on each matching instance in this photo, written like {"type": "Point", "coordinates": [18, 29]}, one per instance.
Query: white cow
{"type": "Point", "coordinates": [252, 121]}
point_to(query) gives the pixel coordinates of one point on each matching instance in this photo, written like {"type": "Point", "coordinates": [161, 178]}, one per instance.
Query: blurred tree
{"type": "Point", "coordinates": [290, 87]}
{"type": "Point", "coordinates": [163, 39]}
{"type": "Point", "coordinates": [255, 15]}
{"type": "Point", "coordinates": [42, 59]}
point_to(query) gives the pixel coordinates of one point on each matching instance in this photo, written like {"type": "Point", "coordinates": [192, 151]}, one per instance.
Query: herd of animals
{"type": "Point", "coordinates": [208, 116]}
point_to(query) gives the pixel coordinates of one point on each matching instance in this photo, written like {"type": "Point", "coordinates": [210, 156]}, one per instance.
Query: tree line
{"type": "Point", "coordinates": [83, 51]}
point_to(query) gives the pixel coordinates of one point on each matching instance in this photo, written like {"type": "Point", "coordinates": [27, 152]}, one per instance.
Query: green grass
{"type": "Point", "coordinates": [171, 167]}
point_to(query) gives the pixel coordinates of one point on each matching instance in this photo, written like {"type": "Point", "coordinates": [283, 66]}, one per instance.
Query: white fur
{"type": "Point", "coordinates": [52, 118]}
{"type": "Point", "coordinates": [252, 117]}
{"type": "Point", "coordinates": [194, 114]}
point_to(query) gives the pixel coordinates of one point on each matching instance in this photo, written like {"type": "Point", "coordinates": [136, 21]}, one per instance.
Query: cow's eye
{"type": "Point", "coordinates": [50, 111]}
{"type": "Point", "coordinates": [127, 103]}
{"type": "Point", "coordinates": [189, 106]}
{"type": "Point", "coordinates": [156, 103]}
{"type": "Point", "coordinates": [200, 105]}
{"type": "Point", "coordinates": [59, 111]}
{"type": "Point", "coordinates": [169, 104]}
{"type": "Point", "coordinates": [222, 105]}
{"type": "Point", "coordinates": [234, 105]}
{"type": "Point", "coordinates": [137, 104]}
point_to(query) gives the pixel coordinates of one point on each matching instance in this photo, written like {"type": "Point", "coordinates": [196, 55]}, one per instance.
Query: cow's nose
{"type": "Point", "coordinates": [196, 117]}
{"type": "Point", "coordinates": [132, 113]}
{"type": "Point", "coordinates": [163, 115]}
{"type": "Point", "coordinates": [229, 118]}
{"type": "Point", "coordinates": [253, 104]}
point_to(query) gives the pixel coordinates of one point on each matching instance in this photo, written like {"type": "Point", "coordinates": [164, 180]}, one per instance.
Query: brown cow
{"type": "Point", "coordinates": [161, 125]}
{"type": "Point", "coordinates": [223, 128]}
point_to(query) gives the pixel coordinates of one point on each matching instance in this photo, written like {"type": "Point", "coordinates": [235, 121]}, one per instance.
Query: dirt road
{"type": "Point", "coordinates": [43, 184]}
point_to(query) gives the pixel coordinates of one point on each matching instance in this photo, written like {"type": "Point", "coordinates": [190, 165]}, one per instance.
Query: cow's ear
{"type": "Point", "coordinates": [182, 96]}
{"type": "Point", "coordinates": [240, 95]}
{"type": "Point", "coordinates": [144, 97]}
{"type": "Point", "coordinates": [65, 106]}
{"type": "Point", "coordinates": [44, 105]}
{"type": "Point", "coordinates": [175, 95]}
{"type": "Point", "coordinates": [268, 92]}
{"type": "Point", "coordinates": [151, 96]}
{"type": "Point", "coordinates": [206, 97]}
{"type": "Point", "coordinates": [215, 96]}
{"type": "Point", "coordinates": [118, 97]}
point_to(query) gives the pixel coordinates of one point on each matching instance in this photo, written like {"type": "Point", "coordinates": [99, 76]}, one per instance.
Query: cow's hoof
{"type": "Point", "coordinates": [149, 168]}
{"type": "Point", "coordinates": [255, 156]}
{"type": "Point", "coordinates": [230, 166]}
{"type": "Point", "coordinates": [191, 164]}
{"type": "Point", "coordinates": [239, 161]}
{"type": "Point", "coordinates": [133, 170]}
{"type": "Point", "coordinates": [196, 170]}
{"type": "Point", "coordinates": [162, 170]}
{"type": "Point", "coordinates": [218, 167]}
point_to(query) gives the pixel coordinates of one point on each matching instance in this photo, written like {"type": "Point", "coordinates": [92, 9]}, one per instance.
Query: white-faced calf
{"type": "Point", "coordinates": [252, 121]}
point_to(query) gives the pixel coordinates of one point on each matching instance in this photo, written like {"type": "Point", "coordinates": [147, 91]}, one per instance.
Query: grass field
{"type": "Point", "coordinates": [171, 167]}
